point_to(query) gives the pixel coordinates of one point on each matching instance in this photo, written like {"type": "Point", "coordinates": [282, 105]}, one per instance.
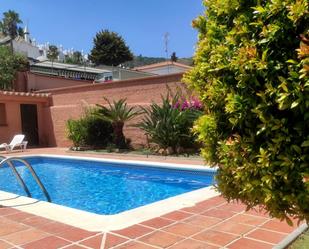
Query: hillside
{"type": "Point", "coordinates": [140, 60]}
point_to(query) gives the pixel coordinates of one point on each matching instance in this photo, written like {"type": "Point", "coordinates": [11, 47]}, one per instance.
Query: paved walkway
{"type": "Point", "coordinates": [212, 223]}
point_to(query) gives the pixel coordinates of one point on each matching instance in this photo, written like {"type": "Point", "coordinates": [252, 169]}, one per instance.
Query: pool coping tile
{"type": "Point", "coordinates": [198, 224]}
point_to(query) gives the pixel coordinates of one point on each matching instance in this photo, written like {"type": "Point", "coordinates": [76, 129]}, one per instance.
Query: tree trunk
{"type": "Point", "coordinates": [119, 138]}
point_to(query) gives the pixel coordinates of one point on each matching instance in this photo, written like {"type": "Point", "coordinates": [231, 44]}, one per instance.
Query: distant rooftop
{"type": "Point", "coordinates": [162, 64]}
{"type": "Point", "coordinates": [71, 67]}
{"type": "Point", "coordinates": [71, 71]}
{"type": "Point", "coordinates": [163, 68]}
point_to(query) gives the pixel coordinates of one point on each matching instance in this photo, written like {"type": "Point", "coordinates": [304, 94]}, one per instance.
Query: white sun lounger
{"type": "Point", "coordinates": [17, 141]}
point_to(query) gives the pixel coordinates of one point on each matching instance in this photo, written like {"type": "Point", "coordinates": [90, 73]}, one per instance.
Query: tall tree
{"type": "Point", "coordinates": [174, 58]}
{"type": "Point", "coordinates": [10, 63]}
{"type": "Point", "coordinates": [75, 58]}
{"type": "Point", "coordinates": [109, 49]}
{"type": "Point", "coordinates": [251, 71]}
{"type": "Point", "coordinates": [52, 53]}
{"type": "Point", "coordinates": [9, 25]}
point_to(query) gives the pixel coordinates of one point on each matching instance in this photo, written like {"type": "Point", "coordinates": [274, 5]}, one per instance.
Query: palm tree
{"type": "Point", "coordinates": [9, 25]}
{"type": "Point", "coordinates": [117, 113]}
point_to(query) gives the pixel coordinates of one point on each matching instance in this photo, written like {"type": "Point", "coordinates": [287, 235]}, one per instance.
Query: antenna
{"type": "Point", "coordinates": [166, 40]}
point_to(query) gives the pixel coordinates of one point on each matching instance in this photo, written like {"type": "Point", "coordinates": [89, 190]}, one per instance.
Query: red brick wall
{"type": "Point", "coordinates": [70, 102]}
{"type": "Point", "coordinates": [36, 82]}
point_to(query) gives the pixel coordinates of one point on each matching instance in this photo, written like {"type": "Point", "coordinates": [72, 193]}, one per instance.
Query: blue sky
{"type": "Point", "coordinates": [142, 23]}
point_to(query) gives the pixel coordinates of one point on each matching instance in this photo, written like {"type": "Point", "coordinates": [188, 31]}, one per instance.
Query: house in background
{"type": "Point", "coordinates": [120, 73]}
{"type": "Point", "coordinates": [163, 68]}
{"type": "Point", "coordinates": [71, 71]}
{"type": "Point", "coordinates": [23, 45]}
{"type": "Point", "coordinates": [34, 51]}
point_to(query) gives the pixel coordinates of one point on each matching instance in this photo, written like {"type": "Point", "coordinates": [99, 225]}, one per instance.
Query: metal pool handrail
{"type": "Point", "coordinates": [9, 161]}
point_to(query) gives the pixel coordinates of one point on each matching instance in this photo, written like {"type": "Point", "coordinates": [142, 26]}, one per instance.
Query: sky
{"type": "Point", "coordinates": [142, 23]}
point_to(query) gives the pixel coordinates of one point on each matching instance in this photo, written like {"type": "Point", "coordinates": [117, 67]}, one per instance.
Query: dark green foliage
{"type": "Point", "coordinates": [168, 126]}
{"type": "Point", "coordinates": [76, 58]}
{"type": "Point", "coordinates": [251, 71]}
{"type": "Point", "coordinates": [117, 113]}
{"type": "Point", "coordinates": [9, 24]}
{"type": "Point", "coordinates": [140, 60]}
{"type": "Point", "coordinates": [9, 65]}
{"type": "Point", "coordinates": [52, 53]}
{"type": "Point", "coordinates": [174, 58]}
{"type": "Point", "coordinates": [90, 131]}
{"type": "Point", "coordinates": [109, 49]}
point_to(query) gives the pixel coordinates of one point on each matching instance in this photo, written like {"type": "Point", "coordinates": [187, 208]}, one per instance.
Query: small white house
{"type": "Point", "coordinates": [163, 68]}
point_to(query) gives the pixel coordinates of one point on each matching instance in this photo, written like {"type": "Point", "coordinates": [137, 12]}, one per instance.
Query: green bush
{"type": "Point", "coordinates": [90, 131]}
{"type": "Point", "coordinates": [251, 72]}
{"type": "Point", "coordinates": [117, 113]}
{"type": "Point", "coordinates": [77, 131]}
{"type": "Point", "coordinates": [10, 64]}
{"type": "Point", "coordinates": [168, 125]}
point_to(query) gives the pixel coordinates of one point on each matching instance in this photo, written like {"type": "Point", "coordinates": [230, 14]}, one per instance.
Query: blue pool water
{"type": "Point", "coordinates": [102, 188]}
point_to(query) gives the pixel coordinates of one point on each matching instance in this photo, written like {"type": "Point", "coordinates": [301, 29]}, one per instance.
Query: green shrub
{"type": "Point", "coordinates": [117, 113]}
{"type": "Point", "coordinates": [10, 64]}
{"type": "Point", "coordinates": [251, 72]}
{"type": "Point", "coordinates": [169, 125]}
{"type": "Point", "coordinates": [90, 131]}
{"type": "Point", "coordinates": [77, 132]}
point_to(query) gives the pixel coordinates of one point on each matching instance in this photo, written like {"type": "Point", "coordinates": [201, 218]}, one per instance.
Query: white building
{"type": "Point", "coordinates": [162, 68]}
{"type": "Point", "coordinates": [38, 52]}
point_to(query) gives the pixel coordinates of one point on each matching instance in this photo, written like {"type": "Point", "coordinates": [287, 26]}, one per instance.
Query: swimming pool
{"type": "Point", "coordinates": [103, 187]}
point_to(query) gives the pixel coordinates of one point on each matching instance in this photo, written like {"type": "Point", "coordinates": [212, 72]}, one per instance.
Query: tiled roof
{"type": "Point", "coordinates": [162, 64]}
{"type": "Point", "coordinates": [25, 94]}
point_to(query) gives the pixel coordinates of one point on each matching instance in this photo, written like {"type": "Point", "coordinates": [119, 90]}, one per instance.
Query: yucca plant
{"type": "Point", "coordinates": [167, 125]}
{"type": "Point", "coordinates": [117, 113]}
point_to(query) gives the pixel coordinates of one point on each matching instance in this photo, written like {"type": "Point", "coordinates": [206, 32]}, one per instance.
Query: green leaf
{"type": "Point", "coordinates": [295, 103]}
{"type": "Point", "coordinates": [305, 144]}
{"type": "Point", "coordinates": [292, 62]}
{"type": "Point", "coordinates": [296, 148]}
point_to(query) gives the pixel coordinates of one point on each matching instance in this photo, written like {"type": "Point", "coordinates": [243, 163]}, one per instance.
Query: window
{"type": "Point", "coordinates": [2, 114]}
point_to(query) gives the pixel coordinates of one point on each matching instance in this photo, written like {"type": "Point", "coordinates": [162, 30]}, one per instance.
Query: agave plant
{"type": "Point", "coordinates": [117, 113]}
{"type": "Point", "coordinates": [167, 125]}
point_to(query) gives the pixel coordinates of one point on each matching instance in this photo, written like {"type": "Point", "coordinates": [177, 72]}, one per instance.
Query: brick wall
{"type": "Point", "coordinates": [69, 102]}
{"type": "Point", "coordinates": [36, 82]}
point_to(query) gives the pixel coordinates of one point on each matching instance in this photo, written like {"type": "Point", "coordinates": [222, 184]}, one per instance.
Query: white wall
{"type": "Point", "coordinates": [168, 69]}
{"type": "Point", "coordinates": [26, 48]}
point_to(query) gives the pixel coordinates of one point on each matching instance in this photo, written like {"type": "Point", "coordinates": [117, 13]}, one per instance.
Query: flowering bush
{"type": "Point", "coordinates": [169, 125]}
{"type": "Point", "coordinates": [252, 74]}
{"type": "Point", "coordinates": [191, 103]}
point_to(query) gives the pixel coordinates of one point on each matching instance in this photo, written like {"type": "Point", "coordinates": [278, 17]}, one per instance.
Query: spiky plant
{"type": "Point", "coordinates": [117, 113]}
{"type": "Point", "coordinates": [167, 125]}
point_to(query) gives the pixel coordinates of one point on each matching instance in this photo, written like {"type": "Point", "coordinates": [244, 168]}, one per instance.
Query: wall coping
{"type": "Point", "coordinates": [26, 97]}
{"type": "Point", "coordinates": [147, 80]}
{"type": "Point", "coordinates": [25, 94]}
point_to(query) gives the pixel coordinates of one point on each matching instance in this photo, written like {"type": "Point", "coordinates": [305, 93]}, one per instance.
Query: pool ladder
{"type": "Point", "coordinates": [10, 160]}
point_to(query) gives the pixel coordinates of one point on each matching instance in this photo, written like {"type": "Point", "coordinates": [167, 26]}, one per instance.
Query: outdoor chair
{"type": "Point", "coordinates": [17, 141]}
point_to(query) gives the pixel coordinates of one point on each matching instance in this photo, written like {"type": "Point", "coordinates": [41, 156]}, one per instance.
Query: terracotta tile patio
{"type": "Point", "coordinates": [213, 223]}
{"type": "Point", "coordinates": [179, 229]}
